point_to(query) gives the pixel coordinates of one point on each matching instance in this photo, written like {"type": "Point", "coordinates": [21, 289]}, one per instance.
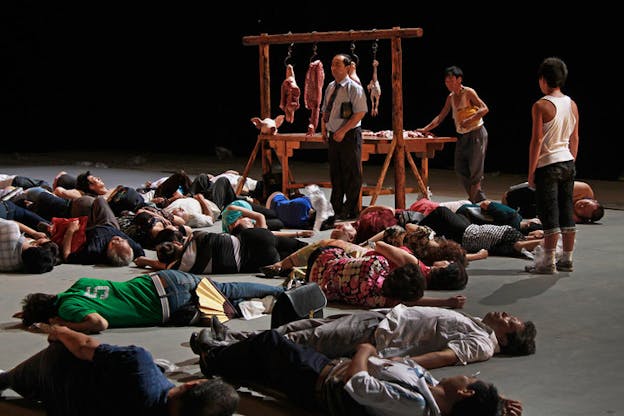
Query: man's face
{"type": "Point", "coordinates": [502, 323]}
{"type": "Point", "coordinates": [338, 68]}
{"type": "Point", "coordinates": [96, 184]}
{"type": "Point", "coordinates": [585, 208]}
{"type": "Point", "coordinates": [119, 245]}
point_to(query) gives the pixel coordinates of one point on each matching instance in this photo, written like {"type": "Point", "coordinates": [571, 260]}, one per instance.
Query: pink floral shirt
{"type": "Point", "coordinates": [354, 281]}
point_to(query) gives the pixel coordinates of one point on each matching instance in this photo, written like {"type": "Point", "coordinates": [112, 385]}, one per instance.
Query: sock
{"type": "Point", "coordinates": [566, 256]}
{"type": "Point", "coordinates": [549, 257]}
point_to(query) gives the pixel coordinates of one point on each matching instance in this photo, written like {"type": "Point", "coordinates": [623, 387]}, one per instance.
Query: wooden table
{"type": "Point", "coordinates": [285, 144]}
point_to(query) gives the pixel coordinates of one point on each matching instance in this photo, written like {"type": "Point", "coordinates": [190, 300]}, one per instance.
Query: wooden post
{"type": "Point", "coordinates": [265, 100]}
{"type": "Point", "coordinates": [397, 123]}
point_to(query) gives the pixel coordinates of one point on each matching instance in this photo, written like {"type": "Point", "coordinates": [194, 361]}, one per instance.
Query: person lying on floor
{"type": "Point", "coordinates": [364, 384]}
{"type": "Point", "coordinates": [161, 298]}
{"type": "Point", "coordinates": [76, 375]}
{"type": "Point", "coordinates": [382, 277]}
{"type": "Point", "coordinates": [19, 253]}
{"type": "Point", "coordinates": [432, 337]}
{"type": "Point", "coordinates": [441, 275]}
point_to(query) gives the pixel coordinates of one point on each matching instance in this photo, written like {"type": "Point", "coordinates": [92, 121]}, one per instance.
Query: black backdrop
{"type": "Point", "coordinates": [121, 76]}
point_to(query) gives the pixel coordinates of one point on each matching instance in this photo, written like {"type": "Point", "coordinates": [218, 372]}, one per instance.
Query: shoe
{"type": "Point", "coordinates": [218, 329]}
{"type": "Point", "coordinates": [271, 271]}
{"type": "Point", "coordinates": [565, 266]}
{"type": "Point", "coordinates": [199, 340]}
{"type": "Point", "coordinates": [541, 269]}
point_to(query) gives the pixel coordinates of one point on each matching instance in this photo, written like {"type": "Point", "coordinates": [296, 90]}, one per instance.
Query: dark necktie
{"type": "Point", "coordinates": [330, 103]}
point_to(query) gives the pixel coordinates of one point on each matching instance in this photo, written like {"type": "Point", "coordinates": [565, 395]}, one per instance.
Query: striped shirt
{"type": "Point", "coordinates": [11, 241]}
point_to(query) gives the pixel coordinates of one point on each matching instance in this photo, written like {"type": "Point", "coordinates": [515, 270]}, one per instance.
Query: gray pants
{"type": "Point", "coordinates": [470, 152]}
{"type": "Point", "coordinates": [335, 336]}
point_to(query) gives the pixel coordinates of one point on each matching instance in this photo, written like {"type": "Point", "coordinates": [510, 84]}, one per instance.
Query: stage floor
{"type": "Point", "coordinates": [578, 368]}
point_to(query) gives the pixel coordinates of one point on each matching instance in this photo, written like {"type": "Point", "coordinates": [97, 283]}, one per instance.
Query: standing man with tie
{"type": "Point", "coordinates": [343, 108]}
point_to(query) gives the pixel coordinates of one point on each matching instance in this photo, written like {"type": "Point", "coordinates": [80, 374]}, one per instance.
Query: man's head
{"type": "Point", "coordinates": [588, 210]}
{"type": "Point", "coordinates": [344, 231]}
{"type": "Point", "coordinates": [461, 395]}
{"type": "Point", "coordinates": [40, 256]}
{"type": "Point", "coordinates": [405, 283]}
{"type": "Point", "coordinates": [90, 184]}
{"type": "Point", "coordinates": [119, 252]}
{"type": "Point", "coordinates": [206, 397]}
{"type": "Point", "coordinates": [553, 71]}
{"type": "Point", "coordinates": [453, 77]}
{"type": "Point", "coordinates": [169, 251]}
{"type": "Point", "coordinates": [340, 66]}
{"type": "Point", "coordinates": [38, 307]}
{"type": "Point", "coordinates": [514, 336]}
{"type": "Point", "coordinates": [446, 275]}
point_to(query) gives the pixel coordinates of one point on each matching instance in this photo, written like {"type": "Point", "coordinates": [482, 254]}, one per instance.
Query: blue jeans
{"type": "Point", "coordinates": [11, 211]}
{"type": "Point", "coordinates": [181, 284]}
{"type": "Point", "coordinates": [554, 186]}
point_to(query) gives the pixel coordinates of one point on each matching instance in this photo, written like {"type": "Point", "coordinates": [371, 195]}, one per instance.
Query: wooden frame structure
{"type": "Point", "coordinates": [397, 148]}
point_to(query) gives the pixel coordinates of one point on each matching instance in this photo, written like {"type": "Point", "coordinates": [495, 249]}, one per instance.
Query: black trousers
{"type": "Point", "coordinates": [345, 171]}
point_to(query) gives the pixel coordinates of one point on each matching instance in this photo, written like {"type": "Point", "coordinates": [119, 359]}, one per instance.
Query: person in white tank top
{"type": "Point", "coordinates": [552, 170]}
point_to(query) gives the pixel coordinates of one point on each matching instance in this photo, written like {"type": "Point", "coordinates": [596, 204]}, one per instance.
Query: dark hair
{"type": "Point", "coordinates": [346, 58]}
{"type": "Point", "coordinates": [394, 235]}
{"type": "Point", "coordinates": [597, 214]}
{"type": "Point", "coordinates": [554, 71]}
{"type": "Point", "coordinates": [66, 181]}
{"type": "Point", "coordinates": [405, 283]}
{"type": "Point", "coordinates": [238, 228]}
{"type": "Point", "coordinates": [40, 259]}
{"type": "Point", "coordinates": [167, 234]}
{"type": "Point", "coordinates": [445, 250]}
{"type": "Point", "coordinates": [167, 252]}
{"type": "Point", "coordinates": [83, 183]}
{"type": "Point", "coordinates": [211, 398]}
{"type": "Point", "coordinates": [38, 307]}
{"type": "Point", "coordinates": [452, 277]}
{"type": "Point", "coordinates": [521, 342]}
{"type": "Point", "coordinates": [453, 71]}
{"type": "Point", "coordinates": [484, 402]}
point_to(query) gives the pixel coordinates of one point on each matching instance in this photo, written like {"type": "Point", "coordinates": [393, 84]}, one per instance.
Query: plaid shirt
{"type": "Point", "coordinates": [11, 241]}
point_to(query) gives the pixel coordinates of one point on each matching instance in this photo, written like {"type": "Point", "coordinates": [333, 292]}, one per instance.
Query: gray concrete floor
{"type": "Point", "coordinates": [578, 367]}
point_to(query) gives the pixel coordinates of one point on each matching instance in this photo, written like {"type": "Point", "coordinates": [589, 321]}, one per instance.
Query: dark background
{"type": "Point", "coordinates": [165, 77]}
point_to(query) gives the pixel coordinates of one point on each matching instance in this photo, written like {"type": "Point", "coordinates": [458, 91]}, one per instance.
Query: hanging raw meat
{"type": "Point", "coordinates": [313, 92]}
{"type": "Point", "coordinates": [374, 90]}
{"type": "Point", "coordinates": [289, 102]}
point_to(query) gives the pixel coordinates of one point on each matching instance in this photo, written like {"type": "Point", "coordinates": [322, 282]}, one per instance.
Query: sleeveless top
{"type": "Point", "coordinates": [462, 111]}
{"type": "Point", "coordinates": [556, 144]}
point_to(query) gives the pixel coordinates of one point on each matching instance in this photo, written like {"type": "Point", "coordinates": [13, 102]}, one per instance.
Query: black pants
{"type": "Point", "coordinates": [271, 360]}
{"type": "Point", "coordinates": [345, 171]}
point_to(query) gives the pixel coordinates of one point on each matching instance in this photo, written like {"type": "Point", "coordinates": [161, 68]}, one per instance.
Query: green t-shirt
{"type": "Point", "coordinates": [131, 303]}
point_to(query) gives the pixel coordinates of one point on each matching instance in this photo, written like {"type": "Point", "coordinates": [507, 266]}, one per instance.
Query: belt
{"type": "Point", "coordinates": [160, 284]}
{"type": "Point", "coordinates": [325, 372]}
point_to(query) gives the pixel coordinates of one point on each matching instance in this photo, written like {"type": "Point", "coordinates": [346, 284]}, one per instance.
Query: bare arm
{"type": "Point", "coordinates": [394, 254]}
{"type": "Point", "coordinates": [155, 264]}
{"type": "Point", "coordinates": [91, 324]}
{"type": "Point", "coordinates": [477, 102]}
{"type": "Point", "coordinates": [574, 138]}
{"type": "Point", "coordinates": [294, 234]}
{"type": "Point", "coordinates": [454, 302]}
{"type": "Point", "coordinates": [479, 255]}
{"type": "Point", "coordinates": [82, 346]}
{"type": "Point", "coordinates": [359, 362]}
{"type": "Point", "coordinates": [537, 136]}
{"type": "Point", "coordinates": [71, 229]}
{"type": "Point", "coordinates": [436, 359]}
{"type": "Point", "coordinates": [256, 216]}
{"type": "Point", "coordinates": [204, 205]}
{"type": "Point", "coordinates": [29, 231]}
{"type": "Point", "coordinates": [440, 117]}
